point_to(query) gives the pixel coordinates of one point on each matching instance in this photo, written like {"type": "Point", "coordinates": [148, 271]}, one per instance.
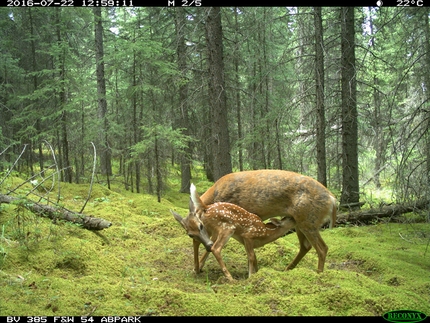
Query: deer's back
{"type": "Point", "coordinates": [270, 193]}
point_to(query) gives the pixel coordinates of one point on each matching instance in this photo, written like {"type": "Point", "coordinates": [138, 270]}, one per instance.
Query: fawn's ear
{"type": "Point", "coordinates": [177, 216]}
{"type": "Point", "coordinates": [275, 222]}
{"type": "Point", "coordinates": [196, 203]}
{"type": "Point", "coordinates": [191, 206]}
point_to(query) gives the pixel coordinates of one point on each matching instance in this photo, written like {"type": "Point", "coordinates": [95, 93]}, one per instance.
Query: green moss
{"type": "Point", "coordinates": [143, 265]}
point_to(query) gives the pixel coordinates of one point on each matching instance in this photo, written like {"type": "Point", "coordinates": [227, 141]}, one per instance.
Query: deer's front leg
{"type": "Point", "coordinates": [252, 258]}
{"type": "Point", "coordinates": [216, 250]}
{"type": "Point", "coordinates": [196, 245]}
{"type": "Point", "coordinates": [203, 260]}
{"type": "Point", "coordinates": [214, 237]}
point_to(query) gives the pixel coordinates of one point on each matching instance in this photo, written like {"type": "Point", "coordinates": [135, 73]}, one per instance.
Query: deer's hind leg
{"type": "Point", "coordinates": [315, 239]}
{"type": "Point", "coordinates": [305, 246]}
{"type": "Point", "coordinates": [308, 239]}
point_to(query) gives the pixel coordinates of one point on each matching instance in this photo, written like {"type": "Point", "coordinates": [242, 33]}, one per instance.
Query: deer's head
{"type": "Point", "coordinates": [193, 224]}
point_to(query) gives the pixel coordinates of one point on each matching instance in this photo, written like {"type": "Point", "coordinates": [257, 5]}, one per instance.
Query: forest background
{"type": "Point", "coordinates": [340, 94]}
{"type": "Point", "coordinates": [165, 96]}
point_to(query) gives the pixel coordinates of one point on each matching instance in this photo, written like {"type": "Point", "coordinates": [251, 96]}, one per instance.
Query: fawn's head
{"type": "Point", "coordinates": [193, 223]}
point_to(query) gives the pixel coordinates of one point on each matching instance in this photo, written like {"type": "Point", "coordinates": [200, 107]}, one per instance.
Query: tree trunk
{"type": "Point", "coordinates": [35, 83]}
{"type": "Point", "coordinates": [63, 100]}
{"type": "Point", "coordinates": [105, 154]}
{"type": "Point", "coordinates": [279, 164]}
{"type": "Point", "coordinates": [319, 90]}
{"type": "Point", "coordinates": [302, 65]}
{"type": "Point", "coordinates": [185, 158]}
{"type": "Point", "coordinates": [136, 121]}
{"type": "Point", "coordinates": [81, 140]}
{"type": "Point", "coordinates": [159, 177]}
{"type": "Point", "coordinates": [263, 90]}
{"type": "Point", "coordinates": [350, 186]}
{"type": "Point", "coordinates": [427, 113]}
{"type": "Point", "coordinates": [254, 147]}
{"type": "Point", "coordinates": [237, 84]}
{"type": "Point", "coordinates": [217, 95]}
{"type": "Point", "coordinates": [378, 129]}
{"type": "Point", "coordinates": [389, 211]}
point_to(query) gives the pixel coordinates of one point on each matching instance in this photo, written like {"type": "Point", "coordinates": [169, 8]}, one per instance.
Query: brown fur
{"type": "Point", "coordinates": [270, 193]}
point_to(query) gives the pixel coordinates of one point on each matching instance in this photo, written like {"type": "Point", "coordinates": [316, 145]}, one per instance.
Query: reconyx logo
{"type": "Point", "coordinates": [404, 316]}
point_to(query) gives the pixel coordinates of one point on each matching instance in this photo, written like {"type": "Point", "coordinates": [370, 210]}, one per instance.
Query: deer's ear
{"type": "Point", "coordinates": [195, 200]}
{"type": "Point", "coordinates": [192, 207]}
{"type": "Point", "coordinates": [275, 222]}
{"type": "Point", "coordinates": [176, 216]}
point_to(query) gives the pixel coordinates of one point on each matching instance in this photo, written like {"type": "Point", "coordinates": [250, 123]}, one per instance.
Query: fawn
{"type": "Point", "coordinates": [215, 224]}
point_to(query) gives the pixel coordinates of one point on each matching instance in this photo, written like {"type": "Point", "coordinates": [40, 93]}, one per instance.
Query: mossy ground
{"type": "Point", "coordinates": [142, 265]}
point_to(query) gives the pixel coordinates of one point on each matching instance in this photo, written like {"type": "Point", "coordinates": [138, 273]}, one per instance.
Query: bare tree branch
{"type": "Point", "coordinates": [58, 171]}
{"type": "Point", "coordinates": [57, 213]}
{"type": "Point", "coordinates": [10, 170]}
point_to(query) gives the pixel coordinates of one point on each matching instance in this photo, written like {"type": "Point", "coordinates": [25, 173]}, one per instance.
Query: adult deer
{"type": "Point", "coordinates": [270, 193]}
{"type": "Point", "coordinates": [221, 221]}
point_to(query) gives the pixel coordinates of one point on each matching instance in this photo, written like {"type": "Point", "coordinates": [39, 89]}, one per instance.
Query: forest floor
{"type": "Point", "coordinates": [143, 265]}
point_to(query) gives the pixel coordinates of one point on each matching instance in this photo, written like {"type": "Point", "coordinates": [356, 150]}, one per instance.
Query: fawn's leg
{"type": "Point", "coordinates": [222, 239]}
{"type": "Point", "coordinates": [252, 258]}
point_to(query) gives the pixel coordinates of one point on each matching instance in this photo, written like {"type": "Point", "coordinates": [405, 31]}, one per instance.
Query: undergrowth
{"type": "Point", "coordinates": [142, 265]}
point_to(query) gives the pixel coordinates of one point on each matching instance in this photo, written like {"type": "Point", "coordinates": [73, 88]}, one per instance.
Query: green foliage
{"type": "Point", "coordinates": [165, 134]}
{"type": "Point", "coordinates": [48, 91]}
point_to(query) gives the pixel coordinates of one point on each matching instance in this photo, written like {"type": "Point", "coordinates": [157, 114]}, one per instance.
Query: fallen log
{"type": "Point", "coordinates": [57, 213]}
{"type": "Point", "coordinates": [389, 211]}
